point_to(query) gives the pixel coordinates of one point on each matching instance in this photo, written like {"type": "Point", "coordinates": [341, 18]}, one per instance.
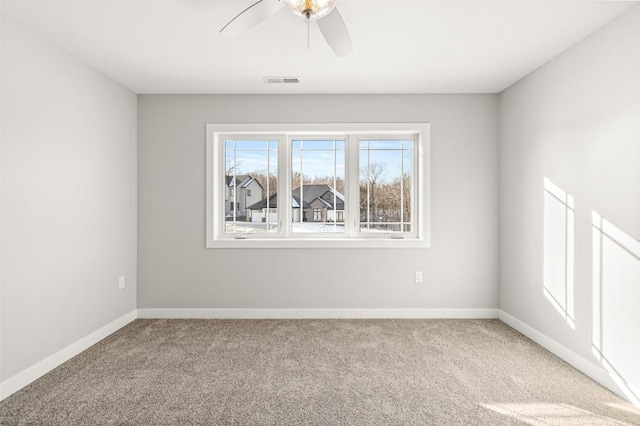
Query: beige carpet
{"type": "Point", "coordinates": [316, 372]}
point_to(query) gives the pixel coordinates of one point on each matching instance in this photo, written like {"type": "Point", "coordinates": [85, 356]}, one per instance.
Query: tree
{"type": "Point", "coordinates": [231, 167]}
{"type": "Point", "coordinates": [298, 179]}
{"type": "Point", "coordinates": [397, 198]}
{"type": "Point", "coordinates": [371, 176]}
{"type": "Point", "coordinates": [268, 181]}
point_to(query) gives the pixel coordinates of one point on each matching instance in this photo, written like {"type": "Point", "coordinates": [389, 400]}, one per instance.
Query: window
{"type": "Point", "coordinates": [247, 160]}
{"type": "Point", "coordinates": [317, 185]}
{"type": "Point", "coordinates": [386, 175]}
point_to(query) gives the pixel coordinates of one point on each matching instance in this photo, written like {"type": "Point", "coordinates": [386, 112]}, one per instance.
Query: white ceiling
{"type": "Point", "coordinates": [173, 46]}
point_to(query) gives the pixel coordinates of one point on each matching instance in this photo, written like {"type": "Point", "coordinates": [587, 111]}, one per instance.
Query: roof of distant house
{"type": "Point", "coordinates": [309, 193]}
{"type": "Point", "coordinates": [241, 181]}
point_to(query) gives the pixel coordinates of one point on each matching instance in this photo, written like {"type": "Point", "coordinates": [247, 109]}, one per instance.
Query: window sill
{"type": "Point", "coordinates": [318, 243]}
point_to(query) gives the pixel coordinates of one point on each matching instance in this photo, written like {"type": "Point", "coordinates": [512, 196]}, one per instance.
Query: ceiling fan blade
{"type": "Point", "coordinates": [251, 16]}
{"type": "Point", "coordinates": [335, 32]}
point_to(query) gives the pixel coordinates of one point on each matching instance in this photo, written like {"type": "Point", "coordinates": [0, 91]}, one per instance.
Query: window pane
{"type": "Point", "coordinates": [251, 170]}
{"type": "Point", "coordinates": [386, 181]}
{"type": "Point", "coordinates": [317, 186]}
{"type": "Point", "coordinates": [251, 145]}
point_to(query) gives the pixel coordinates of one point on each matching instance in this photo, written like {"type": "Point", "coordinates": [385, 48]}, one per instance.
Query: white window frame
{"type": "Point", "coordinates": [284, 238]}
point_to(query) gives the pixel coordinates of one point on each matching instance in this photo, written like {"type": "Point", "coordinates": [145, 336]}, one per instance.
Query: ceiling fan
{"type": "Point", "coordinates": [324, 12]}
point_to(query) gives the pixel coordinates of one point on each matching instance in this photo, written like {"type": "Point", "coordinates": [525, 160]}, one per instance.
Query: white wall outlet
{"type": "Point", "coordinates": [418, 277]}
{"type": "Point", "coordinates": [121, 282]}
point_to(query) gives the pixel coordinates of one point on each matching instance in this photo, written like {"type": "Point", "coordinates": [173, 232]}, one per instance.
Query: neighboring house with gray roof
{"type": "Point", "coordinates": [316, 203]}
{"type": "Point", "coordinates": [240, 191]}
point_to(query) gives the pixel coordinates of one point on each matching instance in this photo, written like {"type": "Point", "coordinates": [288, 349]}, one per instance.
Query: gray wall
{"type": "Point", "coordinates": [175, 270]}
{"type": "Point", "coordinates": [575, 121]}
{"type": "Point", "coordinates": [68, 199]}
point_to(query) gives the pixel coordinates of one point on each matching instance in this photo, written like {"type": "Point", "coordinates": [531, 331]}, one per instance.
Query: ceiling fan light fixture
{"type": "Point", "coordinates": [310, 9]}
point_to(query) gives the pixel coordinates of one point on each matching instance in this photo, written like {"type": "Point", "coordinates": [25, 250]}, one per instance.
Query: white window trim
{"type": "Point", "coordinates": [215, 185]}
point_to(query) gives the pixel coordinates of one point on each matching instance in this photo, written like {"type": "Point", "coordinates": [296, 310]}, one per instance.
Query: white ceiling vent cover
{"type": "Point", "coordinates": [279, 80]}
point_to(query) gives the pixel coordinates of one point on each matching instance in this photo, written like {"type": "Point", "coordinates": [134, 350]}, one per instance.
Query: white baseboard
{"type": "Point", "coordinates": [22, 379]}
{"type": "Point", "coordinates": [592, 370]}
{"type": "Point", "coordinates": [314, 313]}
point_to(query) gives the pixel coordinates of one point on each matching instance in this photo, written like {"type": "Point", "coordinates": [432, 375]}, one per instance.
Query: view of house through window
{"type": "Point", "coordinates": [318, 178]}
{"type": "Point", "coordinates": [277, 185]}
{"type": "Point", "coordinates": [317, 185]}
{"type": "Point", "coordinates": [251, 182]}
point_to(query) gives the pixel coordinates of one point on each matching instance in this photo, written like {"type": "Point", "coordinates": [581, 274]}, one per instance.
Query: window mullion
{"type": "Point", "coordinates": [417, 204]}
{"type": "Point", "coordinates": [219, 192]}
{"type": "Point", "coordinates": [232, 200]}
{"type": "Point", "coordinates": [284, 185]}
{"type": "Point", "coordinates": [352, 185]}
{"type": "Point", "coordinates": [402, 228]}
{"type": "Point", "coordinates": [335, 189]}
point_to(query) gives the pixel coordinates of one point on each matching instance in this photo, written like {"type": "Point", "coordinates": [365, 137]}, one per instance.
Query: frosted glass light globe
{"type": "Point", "coordinates": [310, 9]}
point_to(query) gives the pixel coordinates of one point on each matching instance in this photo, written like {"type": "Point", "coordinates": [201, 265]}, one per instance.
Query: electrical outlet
{"type": "Point", "coordinates": [418, 277]}
{"type": "Point", "coordinates": [121, 282]}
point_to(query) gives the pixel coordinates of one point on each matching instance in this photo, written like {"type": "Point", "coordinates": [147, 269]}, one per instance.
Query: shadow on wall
{"type": "Point", "coordinates": [616, 304]}
{"type": "Point", "coordinates": [559, 250]}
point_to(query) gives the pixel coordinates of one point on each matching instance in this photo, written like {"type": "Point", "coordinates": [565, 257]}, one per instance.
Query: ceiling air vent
{"type": "Point", "coordinates": [278, 80]}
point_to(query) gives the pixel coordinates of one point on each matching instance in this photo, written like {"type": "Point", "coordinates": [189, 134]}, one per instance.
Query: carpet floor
{"type": "Point", "coordinates": [316, 372]}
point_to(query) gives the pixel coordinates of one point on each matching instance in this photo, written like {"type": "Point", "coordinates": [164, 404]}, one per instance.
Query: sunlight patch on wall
{"type": "Point", "coordinates": [616, 304]}
{"type": "Point", "coordinates": [539, 414]}
{"type": "Point", "coordinates": [559, 250]}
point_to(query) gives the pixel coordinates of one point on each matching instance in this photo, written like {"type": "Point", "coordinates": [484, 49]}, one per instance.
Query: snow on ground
{"type": "Point", "coordinates": [317, 227]}
{"type": "Point", "coordinates": [296, 227]}
{"type": "Point", "coordinates": [309, 227]}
